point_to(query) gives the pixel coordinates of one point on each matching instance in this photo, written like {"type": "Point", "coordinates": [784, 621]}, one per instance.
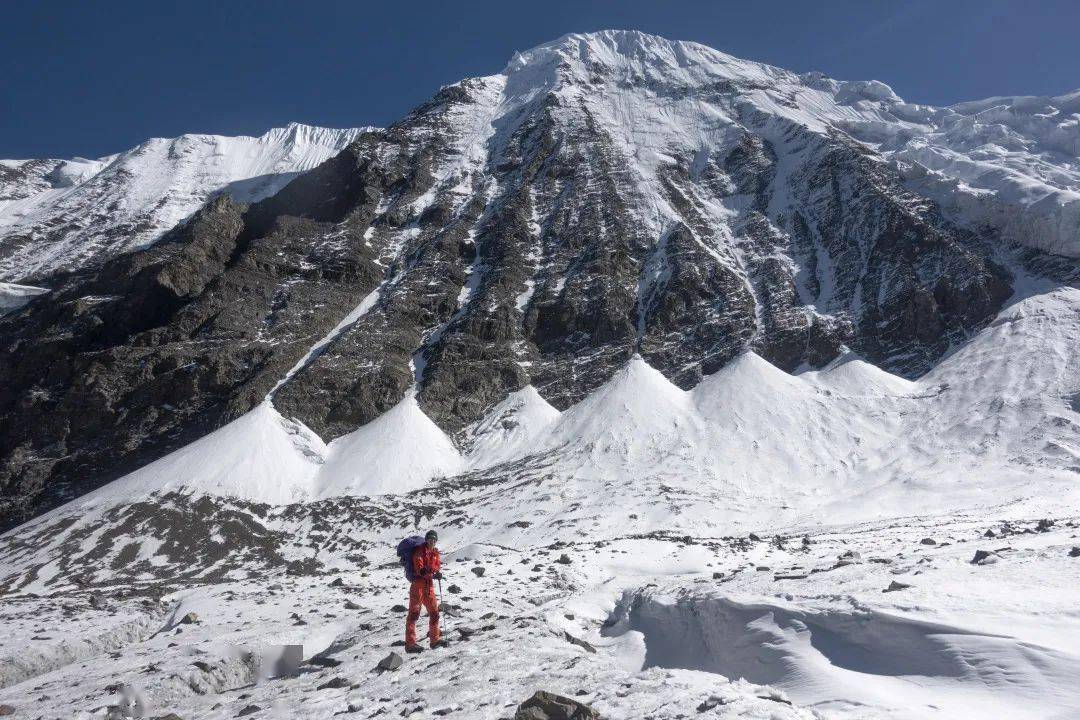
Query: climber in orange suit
{"type": "Point", "coordinates": [426, 563]}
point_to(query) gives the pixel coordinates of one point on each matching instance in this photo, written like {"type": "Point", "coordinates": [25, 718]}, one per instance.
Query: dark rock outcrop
{"type": "Point", "coordinates": [544, 705]}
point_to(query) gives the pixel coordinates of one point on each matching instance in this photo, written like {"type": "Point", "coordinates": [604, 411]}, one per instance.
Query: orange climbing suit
{"type": "Point", "coordinates": [426, 562]}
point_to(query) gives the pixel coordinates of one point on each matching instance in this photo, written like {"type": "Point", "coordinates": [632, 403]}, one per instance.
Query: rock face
{"type": "Point", "coordinates": [605, 195]}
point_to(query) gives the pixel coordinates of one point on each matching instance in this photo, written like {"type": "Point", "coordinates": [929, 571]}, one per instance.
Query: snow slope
{"type": "Point", "coordinates": [59, 214]}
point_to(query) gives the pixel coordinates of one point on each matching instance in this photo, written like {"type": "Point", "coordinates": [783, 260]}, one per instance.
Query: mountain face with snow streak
{"type": "Point", "coordinates": [604, 196]}
{"type": "Point", "coordinates": [64, 214]}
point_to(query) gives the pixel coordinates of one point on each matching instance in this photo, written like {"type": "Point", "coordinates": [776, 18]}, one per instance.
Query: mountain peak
{"type": "Point", "coordinates": [630, 53]}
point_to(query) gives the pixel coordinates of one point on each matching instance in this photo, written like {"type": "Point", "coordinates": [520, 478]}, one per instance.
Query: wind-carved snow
{"type": "Point", "coordinates": [85, 209]}
{"type": "Point", "coordinates": [862, 658]}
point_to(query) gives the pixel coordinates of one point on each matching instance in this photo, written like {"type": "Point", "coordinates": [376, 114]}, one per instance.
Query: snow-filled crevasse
{"type": "Point", "coordinates": [45, 657]}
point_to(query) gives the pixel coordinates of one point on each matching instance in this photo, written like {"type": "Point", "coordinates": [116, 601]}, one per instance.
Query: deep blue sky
{"type": "Point", "coordinates": [92, 78]}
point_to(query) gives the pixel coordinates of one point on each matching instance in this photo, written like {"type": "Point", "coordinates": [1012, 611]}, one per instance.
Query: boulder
{"type": "Point", "coordinates": [189, 619]}
{"type": "Point", "coordinates": [928, 541]}
{"type": "Point", "coordinates": [1075, 552]}
{"type": "Point", "coordinates": [334, 683]}
{"type": "Point", "coordinates": [390, 662]}
{"type": "Point", "coordinates": [894, 586]}
{"type": "Point", "coordinates": [985, 557]}
{"type": "Point", "coordinates": [564, 559]}
{"type": "Point", "coordinates": [544, 705]}
{"type": "Point", "coordinates": [478, 570]}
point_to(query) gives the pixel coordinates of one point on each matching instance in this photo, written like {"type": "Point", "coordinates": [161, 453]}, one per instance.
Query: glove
{"type": "Point", "coordinates": [437, 576]}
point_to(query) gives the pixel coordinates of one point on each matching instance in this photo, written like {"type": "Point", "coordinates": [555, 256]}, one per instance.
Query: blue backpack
{"type": "Point", "coordinates": [405, 550]}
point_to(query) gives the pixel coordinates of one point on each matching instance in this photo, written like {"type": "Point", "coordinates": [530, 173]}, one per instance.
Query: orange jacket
{"type": "Point", "coordinates": [426, 562]}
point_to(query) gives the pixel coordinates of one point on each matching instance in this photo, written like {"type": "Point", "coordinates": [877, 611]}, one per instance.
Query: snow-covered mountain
{"type": "Point", "coordinates": [598, 318]}
{"type": "Point", "coordinates": [63, 214]}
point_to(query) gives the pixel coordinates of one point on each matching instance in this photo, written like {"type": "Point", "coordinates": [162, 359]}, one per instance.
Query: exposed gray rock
{"type": "Point", "coordinates": [544, 705]}
{"type": "Point", "coordinates": [579, 642]}
{"type": "Point", "coordinates": [390, 662]}
{"type": "Point", "coordinates": [333, 684]}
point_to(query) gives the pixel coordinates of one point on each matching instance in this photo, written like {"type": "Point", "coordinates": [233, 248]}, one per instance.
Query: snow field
{"type": "Point", "coordinates": [669, 635]}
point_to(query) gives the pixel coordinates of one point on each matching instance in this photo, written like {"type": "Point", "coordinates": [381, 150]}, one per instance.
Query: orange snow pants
{"type": "Point", "coordinates": [422, 592]}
